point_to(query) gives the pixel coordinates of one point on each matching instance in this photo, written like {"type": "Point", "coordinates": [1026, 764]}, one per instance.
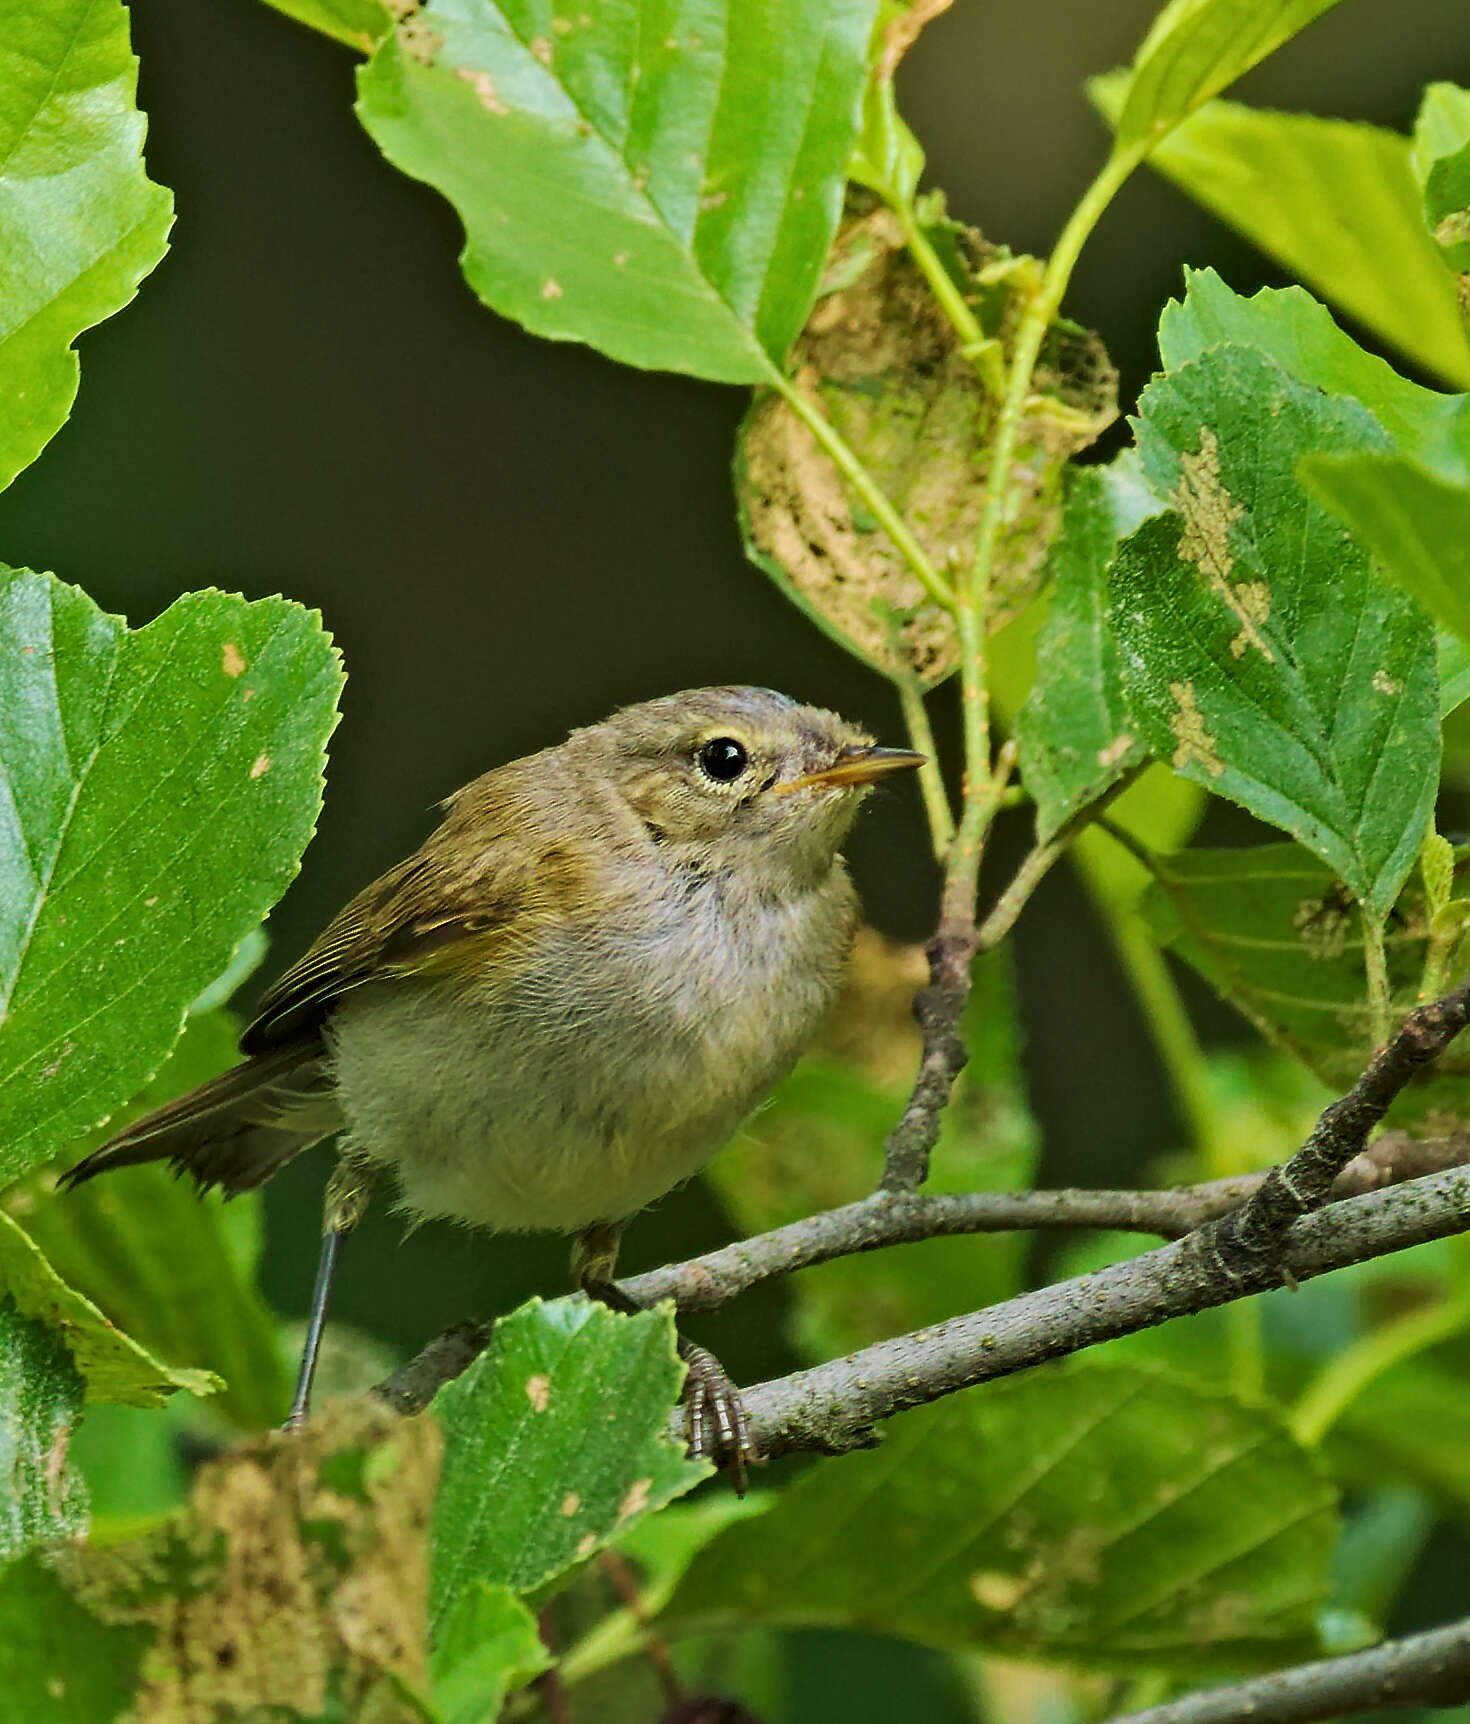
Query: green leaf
{"type": "Point", "coordinates": [174, 1270]}
{"type": "Point", "coordinates": [358, 23]}
{"type": "Point", "coordinates": [157, 788]}
{"type": "Point", "coordinates": [58, 1664]}
{"type": "Point", "coordinates": [1415, 524]}
{"type": "Point", "coordinates": [1194, 48]}
{"type": "Point", "coordinates": [488, 1647]}
{"type": "Point", "coordinates": [1335, 202]}
{"type": "Point", "coordinates": [41, 1498]}
{"type": "Point", "coordinates": [555, 1440]}
{"type": "Point", "coordinates": [114, 1366]}
{"type": "Point", "coordinates": [1072, 730]}
{"type": "Point", "coordinates": [1261, 653]}
{"type": "Point", "coordinates": [1110, 1516]}
{"type": "Point", "coordinates": [1402, 1427]}
{"type": "Point", "coordinates": [1453, 657]}
{"type": "Point", "coordinates": [661, 181]}
{"type": "Point", "coordinates": [1441, 160]}
{"type": "Point", "coordinates": [1272, 931]}
{"type": "Point", "coordinates": [81, 224]}
{"type": "Point", "coordinates": [1300, 335]}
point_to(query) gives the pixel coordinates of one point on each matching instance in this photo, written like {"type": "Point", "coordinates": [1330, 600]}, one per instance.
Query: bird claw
{"type": "Point", "coordinates": [718, 1428]}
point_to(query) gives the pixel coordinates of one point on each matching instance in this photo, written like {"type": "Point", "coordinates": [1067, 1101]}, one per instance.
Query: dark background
{"type": "Point", "coordinates": [509, 537]}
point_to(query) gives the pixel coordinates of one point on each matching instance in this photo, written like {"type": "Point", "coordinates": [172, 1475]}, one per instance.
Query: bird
{"type": "Point", "coordinates": [565, 1002]}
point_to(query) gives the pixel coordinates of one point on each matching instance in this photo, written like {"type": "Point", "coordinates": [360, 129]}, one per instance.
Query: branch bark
{"type": "Point", "coordinates": [1430, 1669]}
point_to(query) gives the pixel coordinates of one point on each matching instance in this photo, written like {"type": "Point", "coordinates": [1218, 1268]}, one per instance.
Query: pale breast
{"type": "Point", "coordinates": [606, 1070]}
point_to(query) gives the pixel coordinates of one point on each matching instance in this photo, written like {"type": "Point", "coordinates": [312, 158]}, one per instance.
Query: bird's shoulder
{"type": "Point", "coordinates": [504, 863]}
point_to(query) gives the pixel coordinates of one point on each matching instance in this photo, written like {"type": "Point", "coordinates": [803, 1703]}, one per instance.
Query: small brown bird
{"type": "Point", "coordinates": [566, 1000]}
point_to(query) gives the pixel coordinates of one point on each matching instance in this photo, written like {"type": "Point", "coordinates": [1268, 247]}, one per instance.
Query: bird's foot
{"type": "Point", "coordinates": [719, 1430]}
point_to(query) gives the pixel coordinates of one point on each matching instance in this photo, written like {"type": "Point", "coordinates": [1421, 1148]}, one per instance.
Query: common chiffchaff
{"type": "Point", "coordinates": [570, 996]}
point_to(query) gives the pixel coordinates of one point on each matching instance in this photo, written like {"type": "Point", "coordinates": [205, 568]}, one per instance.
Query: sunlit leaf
{"type": "Point", "coordinates": [80, 222]}
{"type": "Point", "coordinates": [659, 181]}
{"type": "Point", "coordinates": [1193, 49]}
{"type": "Point", "coordinates": [157, 788]}
{"type": "Point", "coordinates": [358, 23]}
{"type": "Point", "coordinates": [1335, 202]}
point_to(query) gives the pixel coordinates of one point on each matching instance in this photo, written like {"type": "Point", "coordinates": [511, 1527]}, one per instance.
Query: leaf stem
{"type": "Point", "coordinates": [931, 779]}
{"type": "Point", "coordinates": [1375, 961]}
{"type": "Point", "coordinates": [863, 482]}
{"type": "Point", "coordinates": [1344, 1378]}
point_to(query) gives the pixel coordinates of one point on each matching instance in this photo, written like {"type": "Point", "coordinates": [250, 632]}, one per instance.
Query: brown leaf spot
{"type": "Point", "coordinates": [50, 1071]}
{"type": "Point", "coordinates": [1208, 513]}
{"type": "Point", "coordinates": [551, 288]}
{"type": "Point", "coordinates": [1195, 742]}
{"type": "Point", "coordinates": [1383, 683]}
{"type": "Point", "coordinates": [484, 87]}
{"type": "Point", "coordinates": [993, 1590]}
{"type": "Point", "coordinates": [561, 26]}
{"type": "Point", "coordinates": [902, 32]}
{"type": "Point", "coordinates": [260, 765]}
{"type": "Point", "coordinates": [538, 1391]}
{"type": "Point", "coordinates": [1324, 923]}
{"type": "Point", "coordinates": [1115, 751]}
{"type": "Point", "coordinates": [636, 1500]}
{"type": "Point", "coordinates": [232, 660]}
{"type": "Point", "coordinates": [570, 1503]}
{"type": "Point", "coordinates": [541, 48]}
{"type": "Point", "coordinates": [586, 1544]}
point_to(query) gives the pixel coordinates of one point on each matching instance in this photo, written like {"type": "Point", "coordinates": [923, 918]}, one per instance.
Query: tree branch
{"type": "Point", "coordinates": [1421, 1670]}
{"type": "Point", "coordinates": [833, 1407]}
{"type": "Point", "coordinates": [1239, 1243]}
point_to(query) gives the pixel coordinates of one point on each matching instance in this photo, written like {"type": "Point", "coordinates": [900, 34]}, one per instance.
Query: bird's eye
{"type": "Point", "coordinates": [723, 759]}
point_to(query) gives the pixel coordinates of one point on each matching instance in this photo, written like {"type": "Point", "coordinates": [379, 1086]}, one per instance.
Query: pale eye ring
{"type": "Point", "coordinates": [723, 759]}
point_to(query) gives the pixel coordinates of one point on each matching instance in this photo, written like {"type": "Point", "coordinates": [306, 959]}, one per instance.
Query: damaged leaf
{"type": "Point", "coordinates": [296, 1580]}
{"type": "Point", "coordinates": [887, 369]}
{"type": "Point", "coordinates": [1263, 655]}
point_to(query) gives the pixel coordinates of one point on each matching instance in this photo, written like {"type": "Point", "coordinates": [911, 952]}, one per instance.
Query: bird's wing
{"type": "Point", "coordinates": [484, 876]}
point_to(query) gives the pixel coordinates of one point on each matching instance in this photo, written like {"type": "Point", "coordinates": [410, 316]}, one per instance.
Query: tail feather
{"type": "Point", "coordinates": [235, 1130]}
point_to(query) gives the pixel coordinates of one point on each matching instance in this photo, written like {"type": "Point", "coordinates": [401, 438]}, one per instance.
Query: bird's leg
{"type": "Point", "coordinates": [718, 1428]}
{"type": "Point", "coordinates": [343, 1206]}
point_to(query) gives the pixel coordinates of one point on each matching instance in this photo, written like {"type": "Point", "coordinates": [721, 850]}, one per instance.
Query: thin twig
{"type": "Point", "coordinates": [1430, 1669]}
{"type": "Point", "coordinates": [1238, 1244]}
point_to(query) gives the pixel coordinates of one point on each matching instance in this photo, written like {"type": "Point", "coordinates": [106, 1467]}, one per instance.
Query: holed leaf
{"type": "Point", "coordinates": [659, 181]}
{"type": "Point", "coordinates": [1105, 1515]}
{"type": "Point", "coordinates": [555, 1439]}
{"type": "Point", "coordinates": [1262, 654]}
{"type": "Point", "coordinates": [1330, 199]}
{"type": "Point", "coordinates": [1073, 729]}
{"type": "Point", "coordinates": [886, 367]}
{"type": "Point", "coordinates": [41, 1499]}
{"type": "Point", "coordinates": [157, 788]}
{"type": "Point", "coordinates": [81, 224]}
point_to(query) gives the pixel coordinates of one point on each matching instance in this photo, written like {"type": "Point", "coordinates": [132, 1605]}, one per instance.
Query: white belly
{"type": "Point", "coordinates": [598, 1079]}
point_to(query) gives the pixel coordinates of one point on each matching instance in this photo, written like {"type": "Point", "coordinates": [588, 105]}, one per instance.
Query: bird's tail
{"type": "Point", "coordinates": [235, 1130]}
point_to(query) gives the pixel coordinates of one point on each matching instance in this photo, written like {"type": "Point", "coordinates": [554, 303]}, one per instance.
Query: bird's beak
{"type": "Point", "coordinates": [854, 766]}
